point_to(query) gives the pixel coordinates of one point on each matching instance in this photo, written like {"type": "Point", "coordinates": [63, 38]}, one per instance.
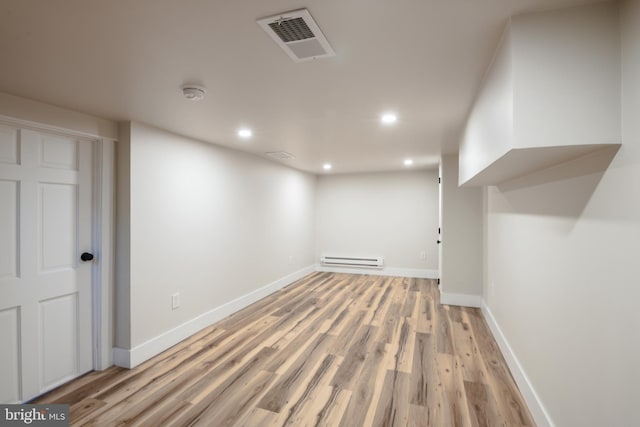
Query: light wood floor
{"type": "Point", "coordinates": [330, 350]}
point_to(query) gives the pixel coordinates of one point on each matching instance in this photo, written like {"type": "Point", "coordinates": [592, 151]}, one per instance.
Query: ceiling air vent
{"type": "Point", "coordinates": [298, 35]}
{"type": "Point", "coordinates": [280, 155]}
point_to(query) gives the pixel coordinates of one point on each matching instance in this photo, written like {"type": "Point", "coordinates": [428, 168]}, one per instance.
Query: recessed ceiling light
{"type": "Point", "coordinates": [408, 162]}
{"type": "Point", "coordinates": [194, 92]}
{"type": "Point", "coordinates": [245, 133]}
{"type": "Point", "coordinates": [388, 118]}
{"type": "Point", "coordinates": [327, 166]}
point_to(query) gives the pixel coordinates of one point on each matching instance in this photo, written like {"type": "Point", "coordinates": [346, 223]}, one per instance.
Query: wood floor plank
{"type": "Point", "coordinates": [279, 395]}
{"type": "Point", "coordinates": [230, 394]}
{"type": "Point", "coordinates": [225, 373]}
{"type": "Point", "coordinates": [130, 411]}
{"type": "Point", "coordinates": [294, 292]}
{"type": "Point", "coordinates": [393, 320]}
{"type": "Point", "coordinates": [172, 409]}
{"type": "Point", "coordinates": [483, 411]}
{"type": "Point", "coordinates": [359, 412]}
{"type": "Point", "coordinates": [310, 323]}
{"type": "Point", "coordinates": [256, 417]}
{"type": "Point", "coordinates": [84, 408]}
{"type": "Point", "coordinates": [291, 324]}
{"type": "Point", "coordinates": [347, 335]}
{"type": "Point", "coordinates": [427, 392]}
{"type": "Point", "coordinates": [378, 300]}
{"type": "Point", "coordinates": [391, 323]}
{"type": "Point", "coordinates": [382, 304]}
{"type": "Point", "coordinates": [455, 411]}
{"type": "Point", "coordinates": [443, 332]}
{"type": "Point", "coordinates": [236, 402]}
{"type": "Point", "coordinates": [300, 410]}
{"type": "Point", "coordinates": [421, 416]}
{"type": "Point", "coordinates": [465, 348]}
{"type": "Point", "coordinates": [331, 350]}
{"type": "Point", "coordinates": [393, 406]}
{"type": "Point", "coordinates": [425, 314]}
{"type": "Point", "coordinates": [227, 405]}
{"type": "Point", "coordinates": [403, 358]}
{"type": "Point", "coordinates": [424, 376]}
{"type": "Point", "coordinates": [294, 345]}
{"type": "Point", "coordinates": [409, 304]}
{"type": "Point", "coordinates": [333, 407]}
{"type": "Point", "coordinates": [355, 358]}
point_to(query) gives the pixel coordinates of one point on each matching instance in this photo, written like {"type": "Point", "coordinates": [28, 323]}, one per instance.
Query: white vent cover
{"type": "Point", "coordinates": [298, 35]}
{"type": "Point", "coordinates": [281, 155]}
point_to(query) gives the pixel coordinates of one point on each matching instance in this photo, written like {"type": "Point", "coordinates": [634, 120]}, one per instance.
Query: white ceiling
{"type": "Point", "coordinates": [126, 60]}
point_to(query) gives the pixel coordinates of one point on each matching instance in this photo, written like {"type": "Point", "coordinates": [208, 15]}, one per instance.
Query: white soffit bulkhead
{"type": "Point", "coordinates": [298, 35]}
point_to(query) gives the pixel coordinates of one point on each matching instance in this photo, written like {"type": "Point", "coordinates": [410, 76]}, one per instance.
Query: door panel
{"type": "Point", "coordinates": [58, 226]}
{"type": "Point", "coordinates": [59, 152]}
{"type": "Point", "coordinates": [8, 145]}
{"type": "Point", "coordinates": [8, 229]}
{"type": "Point", "coordinates": [9, 355]}
{"type": "Point", "coordinates": [45, 290]}
{"type": "Point", "coordinates": [59, 327]}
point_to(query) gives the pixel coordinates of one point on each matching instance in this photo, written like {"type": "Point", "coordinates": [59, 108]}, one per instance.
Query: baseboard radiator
{"type": "Point", "coordinates": [343, 261]}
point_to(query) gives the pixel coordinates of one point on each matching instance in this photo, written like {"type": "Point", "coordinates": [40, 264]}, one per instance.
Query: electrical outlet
{"type": "Point", "coordinates": [423, 255]}
{"type": "Point", "coordinates": [290, 259]}
{"type": "Point", "coordinates": [175, 301]}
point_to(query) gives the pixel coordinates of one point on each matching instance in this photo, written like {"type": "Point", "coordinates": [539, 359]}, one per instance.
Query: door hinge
{"type": "Point", "coordinates": [439, 180]}
{"type": "Point", "coordinates": [438, 280]}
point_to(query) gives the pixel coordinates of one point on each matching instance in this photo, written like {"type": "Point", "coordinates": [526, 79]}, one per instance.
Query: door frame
{"type": "Point", "coordinates": [103, 235]}
{"type": "Point", "coordinates": [104, 239]}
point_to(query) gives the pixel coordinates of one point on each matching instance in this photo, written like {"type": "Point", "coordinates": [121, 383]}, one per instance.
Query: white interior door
{"type": "Point", "coordinates": [45, 289]}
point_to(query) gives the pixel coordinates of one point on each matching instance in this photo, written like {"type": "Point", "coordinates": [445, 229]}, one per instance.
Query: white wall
{"type": "Point", "coordinates": [211, 223]}
{"type": "Point", "coordinates": [392, 214]}
{"type": "Point", "coordinates": [562, 270]}
{"type": "Point", "coordinates": [462, 238]}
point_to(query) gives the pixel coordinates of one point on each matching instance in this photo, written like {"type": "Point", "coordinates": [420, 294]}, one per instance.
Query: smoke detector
{"type": "Point", "coordinates": [298, 35]}
{"type": "Point", "coordinates": [194, 92]}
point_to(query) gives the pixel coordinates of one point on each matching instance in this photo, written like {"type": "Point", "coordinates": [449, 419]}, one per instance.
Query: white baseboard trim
{"type": "Point", "coordinates": [132, 358]}
{"type": "Point", "coordinates": [122, 357]}
{"type": "Point", "coordinates": [386, 271]}
{"type": "Point", "coordinates": [538, 411]}
{"type": "Point", "coordinates": [464, 300]}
